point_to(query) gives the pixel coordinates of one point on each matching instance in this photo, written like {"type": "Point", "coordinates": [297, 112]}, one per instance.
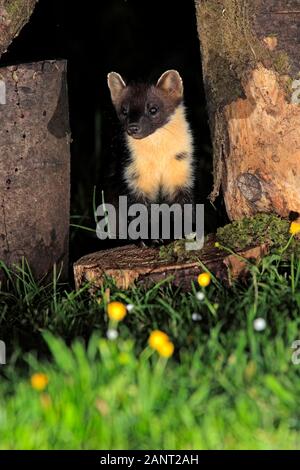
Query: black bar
{"type": "Point", "coordinates": [132, 459]}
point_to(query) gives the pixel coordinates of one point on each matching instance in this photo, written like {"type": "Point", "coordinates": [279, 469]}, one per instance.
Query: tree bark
{"type": "Point", "coordinates": [251, 63]}
{"type": "Point", "coordinates": [14, 14]}
{"type": "Point", "coordinates": [35, 166]}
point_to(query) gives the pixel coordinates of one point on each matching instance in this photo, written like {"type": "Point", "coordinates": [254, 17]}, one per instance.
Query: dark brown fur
{"type": "Point", "coordinates": [134, 102]}
{"type": "Point", "coordinates": [181, 156]}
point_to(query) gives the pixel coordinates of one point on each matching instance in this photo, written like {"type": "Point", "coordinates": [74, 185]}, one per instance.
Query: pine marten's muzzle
{"type": "Point", "coordinates": [133, 129]}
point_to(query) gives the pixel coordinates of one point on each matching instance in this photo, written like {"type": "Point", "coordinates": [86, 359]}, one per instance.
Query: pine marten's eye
{"type": "Point", "coordinates": [153, 110]}
{"type": "Point", "coordinates": [124, 111]}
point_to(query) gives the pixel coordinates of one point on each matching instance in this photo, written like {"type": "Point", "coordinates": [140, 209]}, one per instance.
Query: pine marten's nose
{"type": "Point", "coordinates": [133, 129]}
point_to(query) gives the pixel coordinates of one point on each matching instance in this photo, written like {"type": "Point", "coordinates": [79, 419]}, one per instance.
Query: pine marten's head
{"type": "Point", "coordinates": [144, 108]}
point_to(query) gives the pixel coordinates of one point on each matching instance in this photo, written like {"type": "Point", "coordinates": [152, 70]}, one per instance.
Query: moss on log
{"type": "Point", "coordinates": [251, 63]}
{"type": "Point", "coordinates": [129, 265]}
{"type": "Point", "coordinates": [14, 14]}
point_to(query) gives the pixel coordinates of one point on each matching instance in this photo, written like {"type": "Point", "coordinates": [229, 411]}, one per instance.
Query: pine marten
{"type": "Point", "coordinates": [157, 166]}
{"type": "Point", "coordinates": [158, 137]}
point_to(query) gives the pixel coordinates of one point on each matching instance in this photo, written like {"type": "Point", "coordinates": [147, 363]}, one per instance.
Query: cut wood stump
{"type": "Point", "coordinates": [129, 265]}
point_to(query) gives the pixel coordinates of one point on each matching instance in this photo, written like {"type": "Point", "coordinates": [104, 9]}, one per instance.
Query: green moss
{"type": "Point", "coordinates": [256, 230]}
{"type": "Point", "coordinates": [230, 48]}
{"type": "Point", "coordinates": [176, 251]}
{"type": "Point", "coordinates": [14, 7]}
{"type": "Point", "coordinates": [281, 63]}
{"type": "Point", "coordinates": [18, 12]}
{"type": "Point", "coordinates": [239, 235]}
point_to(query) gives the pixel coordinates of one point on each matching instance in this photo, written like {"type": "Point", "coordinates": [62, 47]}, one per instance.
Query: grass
{"type": "Point", "coordinates": [226, 387]}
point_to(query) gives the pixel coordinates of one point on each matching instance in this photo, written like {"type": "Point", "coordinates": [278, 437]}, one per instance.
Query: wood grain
{"type": "Point", "coordinates": [262, 168]}
{"type": "Point", "coordinates": [129, 265]}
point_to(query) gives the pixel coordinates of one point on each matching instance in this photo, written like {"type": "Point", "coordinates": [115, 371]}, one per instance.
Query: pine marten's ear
{"type": "Point", "coordinates": [171, 82]}
{"type": "Point", "coordinates": [116, 85]}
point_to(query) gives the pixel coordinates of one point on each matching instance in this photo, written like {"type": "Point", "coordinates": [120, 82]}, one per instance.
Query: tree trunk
{"type": "Point", "coordinates": [14, 14]}
{"type": "Point", "coordinates": [35, 166]}
{"type": "Point", "coordinates": [251, 63]}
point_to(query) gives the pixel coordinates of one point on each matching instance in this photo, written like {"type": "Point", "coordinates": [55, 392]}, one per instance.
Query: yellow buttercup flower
{"type": "Point", "coordinates": [39, 381]}
{"type": "Point", "coordinates": [204, 279]}
{"type": "Point", "coordinates": [294, 228]}
{"type": "Point", "coordinates": [166, 349]}
{"type": "Point", "coordinates": [116, 311]}
{"type": "Point", "coordinates": [217, 245]}
{"type": "Point", "coordinates": [157, 338]}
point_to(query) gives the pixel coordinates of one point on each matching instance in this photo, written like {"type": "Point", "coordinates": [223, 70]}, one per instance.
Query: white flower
{"type": "Point", "coordinates": [200, 296]}
{"type": "Point", "coordinates": [196, 317]}
{"type": "Point", "coordinates": [112, 334]}
{"type": "Point", "coordinates": [259, 324]}
{"type": "Point", "coordinates": [130, 307]}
